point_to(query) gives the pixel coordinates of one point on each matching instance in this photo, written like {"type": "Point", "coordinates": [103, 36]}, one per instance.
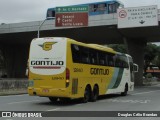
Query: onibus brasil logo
{"type": "Point", "coordinates": [47, 45]}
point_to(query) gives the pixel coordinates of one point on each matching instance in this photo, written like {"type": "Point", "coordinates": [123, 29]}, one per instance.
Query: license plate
{"type": "Point", "coordinates": [45, 90]}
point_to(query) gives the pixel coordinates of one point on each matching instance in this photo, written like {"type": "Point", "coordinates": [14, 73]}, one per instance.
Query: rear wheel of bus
{"type": "Point", "coordinates": [53, 99]}
{"type": "Point", "coordinates": [87, 94]}
{"type": "Point", "coordinates": [95, 93]}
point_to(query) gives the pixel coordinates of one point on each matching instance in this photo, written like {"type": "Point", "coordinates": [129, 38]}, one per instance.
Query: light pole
{"type": "Point", "coordinates": [48, 18]}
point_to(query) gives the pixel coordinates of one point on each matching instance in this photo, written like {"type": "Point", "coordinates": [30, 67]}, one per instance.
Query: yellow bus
{"type": "Point", "coordinates": [62, 68]}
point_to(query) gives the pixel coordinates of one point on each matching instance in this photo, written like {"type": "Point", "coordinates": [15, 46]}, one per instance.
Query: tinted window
{"type": "Point", "coordinates": [102, 7]}
{"type": "Point", "coordinates": [81, 54]}
{"type": "Point", "coordinates": [91, 8]}
{"type": "Point", "coordinates": [93, 56]}
{"type": "Point", "coordinates": [51, 13]}
{"type": "Point", "coordinates": [112, 8]}
{"type": "Point", "coordinates": [102, 58]}
{"type": "Point", "coordinates": [85, 55]}
{"type": "Point", "coordinates": [76, 54]}
{"type": "Point", "coordinates": [121, 61]}
{"type": "Point", "coordinates": [110, 60]}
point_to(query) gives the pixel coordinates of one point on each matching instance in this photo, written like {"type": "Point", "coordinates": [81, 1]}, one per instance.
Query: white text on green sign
{"type": "Point", "coordinates": [72, 9]}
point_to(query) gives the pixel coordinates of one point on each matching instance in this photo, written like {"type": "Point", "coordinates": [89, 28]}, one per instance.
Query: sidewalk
{"type": "Point", "coordinates": [152, 81]}
{"type": "Point", "coordinates": [13, 92]}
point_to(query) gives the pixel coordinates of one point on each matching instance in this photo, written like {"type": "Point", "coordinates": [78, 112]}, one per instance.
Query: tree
{"type": "Point", "coordinates": [151, 51]}
{"type": "Point", "coordinates": [151, 55]}
{"type": "Point", "coordinates": [156, 59]}
{"type": "Point", "coordinates": [118, 47]}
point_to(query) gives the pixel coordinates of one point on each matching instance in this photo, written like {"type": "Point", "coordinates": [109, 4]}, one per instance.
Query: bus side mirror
{"type": "Point", "coordinates": [135, 67]}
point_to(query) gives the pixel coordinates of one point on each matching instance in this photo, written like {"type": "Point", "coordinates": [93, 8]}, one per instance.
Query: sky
{"type": "Point", "coordinates": [15, 11]}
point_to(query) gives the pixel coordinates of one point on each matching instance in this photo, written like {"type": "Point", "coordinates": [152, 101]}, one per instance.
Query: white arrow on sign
{"type": "Point", "coordinates": [58, 19]}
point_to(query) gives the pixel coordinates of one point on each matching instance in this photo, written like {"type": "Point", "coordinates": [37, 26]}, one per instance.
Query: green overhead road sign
{"type": "Point", "coordinates": [70, 9]}
{"type": "Point", "coordinates": [71, 16]}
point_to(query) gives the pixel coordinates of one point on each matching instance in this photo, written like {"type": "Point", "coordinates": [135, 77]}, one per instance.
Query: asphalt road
{"type": "Point", "coordinates": [142, 99]}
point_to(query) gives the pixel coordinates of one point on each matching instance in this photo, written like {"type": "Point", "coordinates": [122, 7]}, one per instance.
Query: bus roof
{"type": "Point", "coordinates": [100, 46]}
{"type": "Point", "coordinates": [94, 46]}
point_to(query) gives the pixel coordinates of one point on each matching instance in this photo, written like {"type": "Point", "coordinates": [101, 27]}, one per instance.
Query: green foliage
{"type": "Point", "coordinates": [148, 75]}
{"type": "Point", "coordinates": [1, 59]}
{"type": "Point", "coordinates": [151, 51]}
{"type": "Point", "coordinates": [118, 47]}
{"type": "Point", "coordinates": [151, 55]}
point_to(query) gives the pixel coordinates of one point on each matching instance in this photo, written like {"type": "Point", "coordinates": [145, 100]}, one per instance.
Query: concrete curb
{"type": "Point", "coordinates": [13, 92]}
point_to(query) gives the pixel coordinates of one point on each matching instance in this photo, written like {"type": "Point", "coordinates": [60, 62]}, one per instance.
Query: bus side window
{"type": "Point", "coordinates": [95, 7]}
{"type": "Point", "coordinates": [131, 64]}
{"type": "Point", "coordinates": [121, 61]}
{"type": "Point", "coordinates": [112, 8]}
{"type": "Point", "coordinates": [125, 65]}
{"type": "Point", "coordinates": [93, 56]}
{"type": "Point", "coordinates": [91, 8]}
{"type": "Point", "coordinates": [110, 60]}
{"type": "Point", "coordinates": [102, 7]}
{"type": "Point", "coordinates": [102, 58]}
{"type": "Point", "coordinates": [85, 60]}
{"type": "Point", "coordinates": [116, 60]}
{"type": "Point", "coordinates": [85, 55]}
{"type": "Point", "coordinates": [76, 55]}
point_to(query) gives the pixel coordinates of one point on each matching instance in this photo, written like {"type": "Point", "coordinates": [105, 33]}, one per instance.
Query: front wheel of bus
{"type": "Point", "coordinates": [53, 99]}
{"type": "Point", "coordinates": [125, 91]}
{"type": "Point", "coordinates": [86, 95]}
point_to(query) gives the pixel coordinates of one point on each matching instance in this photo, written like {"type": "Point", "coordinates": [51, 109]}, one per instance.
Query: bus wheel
{"type": "Point", "coordinates": [86, 95]}
{"type": "Point", "coordinates": [125, 91]}
{"type": "Point", "coordinates": [95, 94]}
{"type": "Point", "coordinates": [53, 99]}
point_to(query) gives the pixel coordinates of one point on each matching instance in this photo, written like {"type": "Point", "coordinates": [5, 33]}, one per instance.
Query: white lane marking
{"type": "Point", "coordinates": [145, 92]}
{"type": "Point", "coordinates": [80, 104]}
{"type": "Point", "coordinates": [53, 109]}
{"type": "Point", "coordinates": [126, 101]}
{"type": "Point", "coordinates": [22, 102]}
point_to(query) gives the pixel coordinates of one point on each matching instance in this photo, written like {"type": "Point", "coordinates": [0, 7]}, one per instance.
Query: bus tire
{"type": "Point", "coordinates": [95, 93]}
{"type": "Point", "coordinates": [125, 91]}
{"type": "Point", "coordinates": [87, 93]}
{"type": "Point", "coordinates": [53, 99]}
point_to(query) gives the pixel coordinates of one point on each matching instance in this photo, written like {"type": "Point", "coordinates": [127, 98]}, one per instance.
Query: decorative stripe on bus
{"type": "Point", "coordinates": [113, 80]}
{"type": "Point", "coordinates": [46, 67]}
{"type": "Point", "coordinates": [119, 78]}
{"type": "Point", "coordinates": [118, 72]}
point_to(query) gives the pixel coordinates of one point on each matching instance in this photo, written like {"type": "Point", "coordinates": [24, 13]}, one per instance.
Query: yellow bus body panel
{"type": "Point", "coordinates": [80, 77]}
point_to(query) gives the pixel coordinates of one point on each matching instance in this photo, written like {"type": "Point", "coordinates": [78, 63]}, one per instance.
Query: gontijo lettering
{"type": "Point", "coordinates": [99, 71]}
{"type": "Point", "coordinates": [47, 62]}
